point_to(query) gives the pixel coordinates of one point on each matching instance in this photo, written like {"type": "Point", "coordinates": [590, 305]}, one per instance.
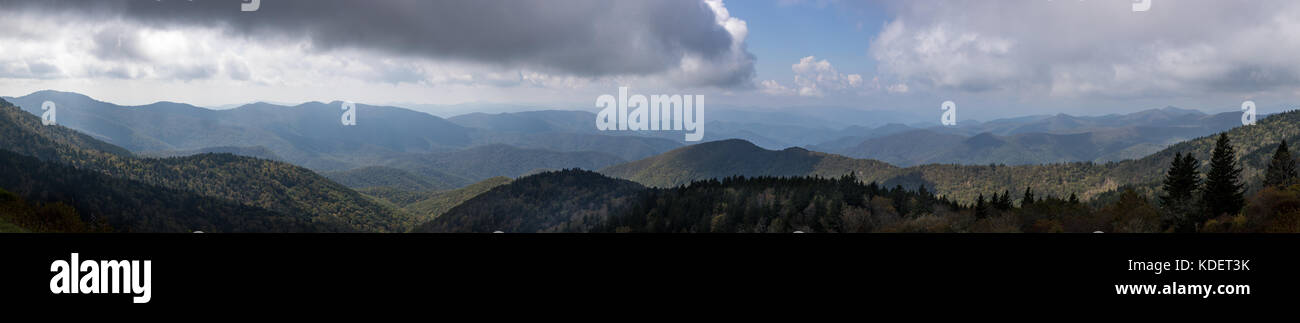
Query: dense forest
{"type": "Point", "coordinates": [60, 198]}
{"type": "Point", "coordinates": [558, 201]}
{"type": "Point", "coordinates": [259, 184]}
{"type": "Point", "coordinates": [583, 201]}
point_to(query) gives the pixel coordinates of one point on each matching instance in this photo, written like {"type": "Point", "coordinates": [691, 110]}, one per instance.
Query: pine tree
{"type": "Point", "coordinates": [1182, 180]}
{"type": "Point", "coordinates": [981, 210]}
{"type": "Point", "coordinates": [1074, 199]}
{"type": "Point", "coordinates": [1281, 170]}
{"type": "Point", "coordinates": [926, 201]}
{"type": "Point", "coordinates": [1223, 191]}
{"type": "Point", "coordinates": [1179, 199]}
{"type": "Point", "coordinates": [1028, 199]}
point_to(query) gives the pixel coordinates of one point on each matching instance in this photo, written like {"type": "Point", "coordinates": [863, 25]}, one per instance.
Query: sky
{"type": "Point", "coordinates": [994, 58]}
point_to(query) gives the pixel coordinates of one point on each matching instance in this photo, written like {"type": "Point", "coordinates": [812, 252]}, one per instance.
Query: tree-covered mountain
{"type": "Point", "coordinates": [438, 203]}
{"type": "Point", "coordinates": [581, 201]}
{"type": "Point", "coordinates": [75, 200]}
{"type": "Point", "coordinates": [734, 157]}
{"type": "Point", "coordinates": [257, 152]}
{"type": "Point", "coordinates": [1254, 145]}
{"type": "Point", "coordinates": [560, 201]}
{"type": "Point", "coordinates": [388, 177]}
{"type": "Point", "coordinates": [275, 186]}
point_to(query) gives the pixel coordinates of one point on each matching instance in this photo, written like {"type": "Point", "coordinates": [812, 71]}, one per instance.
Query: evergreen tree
{"type": "Point", "coordinates": [1182, 180]}
{"type": "Point", "coordinates": [1179, 200]}
{"type": "Point", "coordinates": [981, 210]}
{"type": "Point", "coordinates": [1028, 199]}
{"type": "Point", "coordinates": [1074, 199]}
{"type": "Point", "coordinates": [925, 201]}
{"type": "Point", "coordinates": [1281, 170]}
{"type": "Point", "coordinates": [1005, 202]}
{"type": "Point", "coordinates": [1223, 191]}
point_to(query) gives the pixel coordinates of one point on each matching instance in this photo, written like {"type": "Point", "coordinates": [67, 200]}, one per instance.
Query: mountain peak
{"type": "Point", "coordinates": [59, 96]}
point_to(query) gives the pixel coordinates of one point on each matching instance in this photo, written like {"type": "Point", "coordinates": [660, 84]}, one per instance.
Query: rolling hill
{"type": "Point", "coordinates": [560, 201]}
{"type": "Point", "coordinates": [439, 202]}
{"type": "Point", "coordinates": [724, 158]}
{"type": "Point", "coordinates": [131, 206]}
{"type": "Point", "coordinates": [259, 183]}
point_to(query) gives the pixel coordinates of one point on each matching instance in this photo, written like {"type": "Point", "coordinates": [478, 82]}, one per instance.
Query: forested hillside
{"type": "Point", "coordinates": [733, 157]}
{"type": "Point", "coordinates": [258, 183]}
{"type": "Point", "coordinates": [73, 200]}
{"type": "Point", "coordinates": [580, 201]}
{"type": "Point", "coordinates": [438, 203]}
{"type": "Point", "coordinates": [960, 182]}
{"type": "Point", "coordinates": [560, 201]}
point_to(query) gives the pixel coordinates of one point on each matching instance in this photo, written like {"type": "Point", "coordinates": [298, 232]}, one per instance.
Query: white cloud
{"type": "Point", "coordinates": [1091, 49]}
{"type": "Point", "coordinates": [773, 87]}
{"type": "Point", "coordinates": [814, 78]}
{"type": "Point", "coordinates": [897, 88]}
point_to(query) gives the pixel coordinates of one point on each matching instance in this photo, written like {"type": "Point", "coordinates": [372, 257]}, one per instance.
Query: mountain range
{"type": "Point", "coordinates": [463, 149]}
{"type": "Point", "coordinates": [793, 189]}
{"type": "Point", "coordinates": [265, 167]}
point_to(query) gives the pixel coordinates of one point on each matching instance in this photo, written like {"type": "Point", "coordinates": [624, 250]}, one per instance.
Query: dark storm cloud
{"type": "Point", "coordinates": [580, 37]}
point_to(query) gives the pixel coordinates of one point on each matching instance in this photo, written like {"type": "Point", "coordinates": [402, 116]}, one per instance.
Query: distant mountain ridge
{"type": "Point", "coordinates": [311, 135]}
{"type": "Point", "coordinates": [1038, 140]}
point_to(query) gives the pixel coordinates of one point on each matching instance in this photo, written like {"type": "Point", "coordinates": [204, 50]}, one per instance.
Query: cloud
{"type": "Point", "coordinates": [1092, 48]}
{"type": "Point", "coordinates": [814, 78]}
{"type": "Point", "coordinates": [695, 42]}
